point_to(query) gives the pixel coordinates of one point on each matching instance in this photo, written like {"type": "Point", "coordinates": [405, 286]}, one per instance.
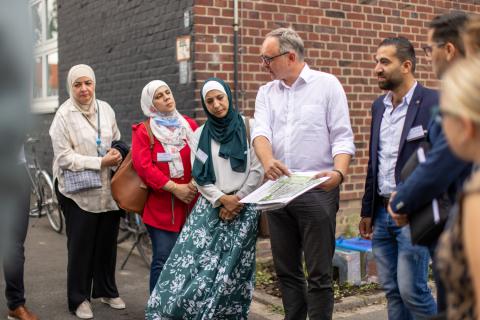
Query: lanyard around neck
{"type": "Point", "coordinates": [98, 140]}
{"type": "Point", "coordinates": [99, 130]}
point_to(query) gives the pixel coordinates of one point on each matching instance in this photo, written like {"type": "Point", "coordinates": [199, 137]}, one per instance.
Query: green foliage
{"type": "Point", "coordinates": [277, 309]}
{"type": "Point", "coordinates": [266, 281]}
{"type": "Point", "coordinates": [347, 290]}
{"type": "Point", "coordinates": [264, 277]}
{"type": "Point", "coordinates": [350, 232]}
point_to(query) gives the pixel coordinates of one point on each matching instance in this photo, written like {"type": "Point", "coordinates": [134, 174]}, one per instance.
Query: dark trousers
{"type": "Point", "coordinates": [162, 244]}
{"type": "Point", "coordinates": [306, 225]}
{"type": "Point", "coordinates": [14, 256]}
{"type": "Point", "coordinates": [92, 252]}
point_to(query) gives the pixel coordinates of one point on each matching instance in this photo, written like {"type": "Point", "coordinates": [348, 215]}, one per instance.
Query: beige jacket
{"type": "Point", "coordinates": [74, 148]}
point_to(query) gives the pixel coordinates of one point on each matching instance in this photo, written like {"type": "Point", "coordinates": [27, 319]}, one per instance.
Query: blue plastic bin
{"type": "Point", "coordinates": [357, 244]}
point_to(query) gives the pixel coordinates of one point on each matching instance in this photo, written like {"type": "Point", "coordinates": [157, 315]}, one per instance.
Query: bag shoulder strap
{"type": "Point", "coordinates": [246, 120]}
{"type": "Point", "coordinates": [146, 123]}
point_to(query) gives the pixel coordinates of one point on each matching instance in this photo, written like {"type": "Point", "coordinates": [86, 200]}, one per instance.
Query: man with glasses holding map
{"type": "Point", "coordinates": [302, 124]}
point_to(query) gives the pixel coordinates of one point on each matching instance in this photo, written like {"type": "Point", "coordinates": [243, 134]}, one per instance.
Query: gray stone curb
{"type": "Point", "coordinates": [346, 304]}
{"type": "Point", "coordinates": [266, 298]}
{"type": "Point", "coordinates": [355, 302]}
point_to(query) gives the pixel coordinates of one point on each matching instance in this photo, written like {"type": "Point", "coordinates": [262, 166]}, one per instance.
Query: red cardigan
{"type": "Point", "coordinates": [158, 211]}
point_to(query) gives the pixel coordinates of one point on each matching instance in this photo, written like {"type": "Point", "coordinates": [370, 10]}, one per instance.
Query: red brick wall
{"type": "Point", "coordinates": [340, 38]}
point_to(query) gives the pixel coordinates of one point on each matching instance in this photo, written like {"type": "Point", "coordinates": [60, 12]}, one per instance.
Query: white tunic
{"type": "Point", "coordinates": [227, 180]}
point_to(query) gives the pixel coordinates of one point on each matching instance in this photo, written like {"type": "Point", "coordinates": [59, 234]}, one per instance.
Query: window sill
{"type": "Point", "coordinates": [44, 106]}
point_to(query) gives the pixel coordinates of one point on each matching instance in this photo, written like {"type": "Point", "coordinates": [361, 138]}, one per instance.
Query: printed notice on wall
{"type": "Point", "coordinates": [183, 48]}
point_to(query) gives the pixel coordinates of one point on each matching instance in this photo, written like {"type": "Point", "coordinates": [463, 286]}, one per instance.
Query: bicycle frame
{"type": "Point", "coordinates": [135, 228]}
{"type": "Point", "coordinates": [43, 189]}
{"type": "Point", "coordinates": [34, 186]}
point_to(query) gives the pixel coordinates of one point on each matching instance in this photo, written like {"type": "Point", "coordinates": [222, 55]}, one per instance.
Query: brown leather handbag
{"type": "Point", "coordinates": [128, 189]}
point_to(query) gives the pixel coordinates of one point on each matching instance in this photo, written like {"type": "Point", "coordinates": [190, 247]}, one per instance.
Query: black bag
{"type": "Point", "coordinates": [426, 224]}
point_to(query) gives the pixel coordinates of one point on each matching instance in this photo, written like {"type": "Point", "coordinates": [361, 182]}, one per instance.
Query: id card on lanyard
{"type": "Point", "coordinates": [101, 149]}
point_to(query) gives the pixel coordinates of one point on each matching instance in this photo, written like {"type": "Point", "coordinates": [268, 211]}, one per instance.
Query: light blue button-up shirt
{"type": "Point", "coordinates": [389, 141]}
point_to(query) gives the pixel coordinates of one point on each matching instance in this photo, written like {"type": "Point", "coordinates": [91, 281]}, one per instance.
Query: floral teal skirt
{"type": "Point", "coordinates": [210, 273]}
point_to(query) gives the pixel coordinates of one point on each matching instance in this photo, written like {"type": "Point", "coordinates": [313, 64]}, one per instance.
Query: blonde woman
{"type": "Point", "coordinates": [457, 253]}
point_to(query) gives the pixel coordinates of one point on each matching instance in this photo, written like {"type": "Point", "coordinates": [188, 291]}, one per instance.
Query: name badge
{"type": "Point", "coordinates": [164, 157]}
{"type": "Point", "coordinates": [415, 133]}
{"type": "Point", "coordinates": [202, 156]}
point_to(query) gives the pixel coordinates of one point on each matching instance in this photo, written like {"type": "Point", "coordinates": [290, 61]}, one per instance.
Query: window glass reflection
{"type": "Point", "coordinates": [37, 78]}
{"type": "Point", "coordinates": [52, 74]}
{"type": "Point", "coordinates": [52, 24]}
{"type": "Point", "coordinates": [44, 15]}
{"type": "Point", "coordinates": [37, 23]}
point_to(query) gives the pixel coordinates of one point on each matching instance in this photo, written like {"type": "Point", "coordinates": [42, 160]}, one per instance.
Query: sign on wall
{"type": "Point", "coordinates": [183, 57]}
{"type": "Point", "coordinates": [183, 48]}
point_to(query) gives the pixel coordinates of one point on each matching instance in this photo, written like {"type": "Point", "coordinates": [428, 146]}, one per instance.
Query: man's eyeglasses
{"type": "Point", "coordinates": [267, 60]}
{"type": "Point", "coordinates": [428, 49]}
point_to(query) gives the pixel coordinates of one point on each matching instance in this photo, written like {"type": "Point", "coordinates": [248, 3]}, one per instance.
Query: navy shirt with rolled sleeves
{"type": "Point", "coordinates": [441, 172]}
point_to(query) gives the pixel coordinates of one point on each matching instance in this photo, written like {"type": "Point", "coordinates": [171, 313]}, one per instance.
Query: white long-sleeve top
{"type": "Point", "coordinates": [307, 123]}
{"type": "Point", "coordinates": [227, 180]}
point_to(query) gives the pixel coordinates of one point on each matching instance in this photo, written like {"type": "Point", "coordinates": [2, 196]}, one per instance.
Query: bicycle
{"type": "Point", "coordinates": [131, 226]}
{"type": "Point", "coordinates": [45, 199]}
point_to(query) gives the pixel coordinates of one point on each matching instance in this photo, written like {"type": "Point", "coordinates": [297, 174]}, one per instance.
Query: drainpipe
{"type": "Point", "coordinates": [235, 50]}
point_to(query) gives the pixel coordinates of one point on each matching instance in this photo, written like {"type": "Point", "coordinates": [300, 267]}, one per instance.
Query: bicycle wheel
{"type": "Point", "coordinates": [144, 247]}
{"type": "Point", "coordinates": [49, 201]}
{"type": "Point", "coordinates": [123, 230]}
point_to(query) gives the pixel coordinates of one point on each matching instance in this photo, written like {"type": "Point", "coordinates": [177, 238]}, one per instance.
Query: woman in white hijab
{"type": "Point", "coordinates": [82, 132]}
{"type": "Point", "coordinates": [210, 273]}
{"type": "Point", "coordinates": [165, 168]}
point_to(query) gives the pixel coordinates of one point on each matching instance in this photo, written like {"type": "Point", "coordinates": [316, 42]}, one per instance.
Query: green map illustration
{"type": "Point", "coordinates": [288, 186]}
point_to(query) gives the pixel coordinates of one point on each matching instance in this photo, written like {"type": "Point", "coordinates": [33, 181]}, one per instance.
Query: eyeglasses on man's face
{"type": "Point", "coordinates": [267, 60]}
{"type": "Point", "coordinates": [428, 49]}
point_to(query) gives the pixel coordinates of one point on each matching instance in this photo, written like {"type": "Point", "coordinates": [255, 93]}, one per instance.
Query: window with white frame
{"type": "Point", "coordinates": [45, 76]}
